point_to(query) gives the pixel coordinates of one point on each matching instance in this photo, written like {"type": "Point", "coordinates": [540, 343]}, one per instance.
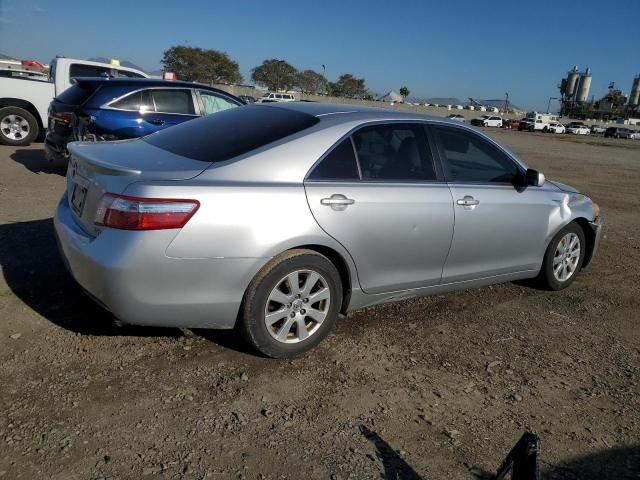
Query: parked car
{"type": "Point", "coordinates": [526, 124]}
{"type": "Point", "coordinates": [185, 227]}
{"type": "Point", "coordinates": [578, 130]}
{"type": "Point", "coordinates": [24, 99]}
{"type": "Point", "coordinates": [457, 117]}
{"type": "Point", "coordinates": [511, 123]}
{"type": "Point", "coordinates": [276, 97]}
{"type": "Point", "coordinates": [633, 134]}
{"type": "Point", "coordinates": [624, 133]}
{"type": "Point", "coordinates": [479, 121]}
{"type": "Point", "coordinates": [114, 109]}
{"type": "Point", "coordinates": [555, 127]}
{"type": "Point", "coordinates": [247, 99]}
{"type": "Point", "coordinates": [615, 132]}
{"type": "Point", "coordinates": [493, 121]}
{"type": "Point", "coordinates": [595, 129]}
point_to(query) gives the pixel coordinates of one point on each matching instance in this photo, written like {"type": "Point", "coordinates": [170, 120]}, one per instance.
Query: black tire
{"type": "Point", "coordinates": [251, 324]}
{"type": "Point", "coordinates": [28, 137]}
{"type": "Point", "coordinates": [546, 278]}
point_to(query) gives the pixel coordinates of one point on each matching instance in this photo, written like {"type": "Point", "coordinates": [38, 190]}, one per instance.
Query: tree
{"type": "Point", "coordinates": [275, 74]}
{"type": "Point", "coordinates": [311, 82]}
{"type": "Point", "coordinates": [404, 91]}
{"type": "Point", "coordinates": [349, 86]}
{"type": "Point", "coordinates": [199, 65]}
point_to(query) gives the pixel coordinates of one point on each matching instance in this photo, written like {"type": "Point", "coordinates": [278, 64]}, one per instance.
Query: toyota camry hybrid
{"type": "Point", "coordinates": [273, 219]}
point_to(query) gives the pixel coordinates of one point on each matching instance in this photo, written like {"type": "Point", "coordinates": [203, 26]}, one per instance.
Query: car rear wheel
{"type": "Point", "coordinates": [291, 304]}
{"type": "Point", "coordinates": [563, 258]}
{"type": "Point", "coordinates": [17, 126]}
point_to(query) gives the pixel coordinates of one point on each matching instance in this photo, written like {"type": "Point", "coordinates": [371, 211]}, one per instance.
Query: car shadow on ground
{"type": "Point", "coordinates": [615, 463]}
{"type": "Point", "coordinates": [33, 270]}
{"type": "Point", "coordinates": [35, 161]}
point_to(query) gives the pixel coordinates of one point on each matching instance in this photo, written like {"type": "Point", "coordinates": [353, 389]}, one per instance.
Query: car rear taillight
{"type": "Point", "coordinates": [134, 213]}
{"type": "Point", "coordinates": [64, 117]}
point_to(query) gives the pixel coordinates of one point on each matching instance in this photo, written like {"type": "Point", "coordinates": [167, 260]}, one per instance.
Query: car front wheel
{"type": "Point", "coordinates": [291, 304]}
{"type": "Point", "coordinates": [563, 258]}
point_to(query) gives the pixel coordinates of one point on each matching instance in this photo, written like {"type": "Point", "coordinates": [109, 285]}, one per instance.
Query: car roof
{"type": "Point", "coordinates": [342, 113]}
{"type": "Point", "coordinates": [142, 82]}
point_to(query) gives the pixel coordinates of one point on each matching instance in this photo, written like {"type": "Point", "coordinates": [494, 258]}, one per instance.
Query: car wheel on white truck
{"type": "Point", "coordinates": [18, 127]}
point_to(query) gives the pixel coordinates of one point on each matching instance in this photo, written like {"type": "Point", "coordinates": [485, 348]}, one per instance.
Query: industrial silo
{"type": "Point", "coordinates": [584, 84]}
{"type": "Point", "coordinates": [572, 80]}
{"type": "Point", "coordinates": [634, 96]}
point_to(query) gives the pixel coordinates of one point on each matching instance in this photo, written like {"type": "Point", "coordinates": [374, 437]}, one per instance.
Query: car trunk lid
{"type": "Point", "coordinates": [109, 167]}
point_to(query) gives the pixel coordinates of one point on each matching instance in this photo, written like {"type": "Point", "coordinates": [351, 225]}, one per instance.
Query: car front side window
{"type": "Point", "coordinates": [173, 101]}
{"type": "Point", "coordinates": [212, 103]}
{"type": "Point", "coordinates": [394, 152]}
{"type": "Point", "coordinates": [468, 158]}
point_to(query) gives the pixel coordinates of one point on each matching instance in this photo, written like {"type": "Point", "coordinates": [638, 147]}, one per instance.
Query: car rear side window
{"type": "Point", "coordinates": [394, 152]}
{"type": "Point", "coordinates": [173, 101]}
{"type": "Point", "coordinates": [77, 94]}
{"type": "Point", "coordinates": [137, 101]}
{"type": "Point", "coordinates": [339, 164]}
{"type": "Point", "coordinates": [469, 158]}
{"type": "Point", "coordinates": [233, 132]}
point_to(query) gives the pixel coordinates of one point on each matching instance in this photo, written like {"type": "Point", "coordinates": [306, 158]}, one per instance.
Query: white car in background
{"type": "Point", "coordinates": [632, 134]}
{"type": "Point", "coordinates": [276, 97]}
{"type": "Point", "coordinates": [493, 121]}
{"type": "Point", "coordinates": [457, 117]}
{"type": "Point", "coordinates": [555, 127]}
{"type": "Point", "coordinates": [579, 130]}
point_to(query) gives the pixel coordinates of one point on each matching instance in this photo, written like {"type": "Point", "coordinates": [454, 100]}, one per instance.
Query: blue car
{"type": "Point", "coordinates": [103, 109]}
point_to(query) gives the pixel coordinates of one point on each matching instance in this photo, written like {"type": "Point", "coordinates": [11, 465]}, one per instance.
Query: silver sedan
{"type": "Point", "coordinates": [274, 219]}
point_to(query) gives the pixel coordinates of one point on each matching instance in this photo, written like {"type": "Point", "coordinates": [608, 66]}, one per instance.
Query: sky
{"type": "Point", "coordinates": [455, 48]}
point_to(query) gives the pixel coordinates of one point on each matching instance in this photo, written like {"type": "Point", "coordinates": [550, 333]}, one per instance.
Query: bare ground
{"type": "Point", "coordinates": [435, 388]}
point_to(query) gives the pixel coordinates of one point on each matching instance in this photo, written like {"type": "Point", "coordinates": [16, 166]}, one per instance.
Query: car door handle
{"type": "Point", "coordinates": [155, 121]}
{"type": "Point", "coordinates": [468, 201]}
{"type": "Point", "coordinates": [337, 201]}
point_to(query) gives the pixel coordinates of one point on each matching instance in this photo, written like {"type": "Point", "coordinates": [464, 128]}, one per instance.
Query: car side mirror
{"type": "Point", "coordinates": [534, 178]}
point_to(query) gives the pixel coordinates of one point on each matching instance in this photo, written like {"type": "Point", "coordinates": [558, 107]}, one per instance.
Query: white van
{"type": "Point", "coordinates": [277, 97]}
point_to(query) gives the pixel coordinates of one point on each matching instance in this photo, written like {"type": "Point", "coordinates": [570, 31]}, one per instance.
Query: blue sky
{"type": "Point", "coordinates": [458, 48]}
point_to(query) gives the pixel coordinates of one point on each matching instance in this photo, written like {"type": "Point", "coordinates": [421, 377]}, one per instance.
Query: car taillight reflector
{"type": "Point", "coordinates": [65, 117]}
{"type": "Point", "coordinates": [134, 213]}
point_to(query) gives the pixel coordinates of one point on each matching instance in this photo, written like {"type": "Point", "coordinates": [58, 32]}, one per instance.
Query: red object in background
{"type": "Point", "coordinates": [169, 76]}
{"type": "Point", "coordinates": [511, 124]}
{"type": "Point", "coordinates": [33, 65]}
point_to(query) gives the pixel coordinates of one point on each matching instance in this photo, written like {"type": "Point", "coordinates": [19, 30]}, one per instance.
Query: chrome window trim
{"type": "Point", "coordinates": [107, 106]}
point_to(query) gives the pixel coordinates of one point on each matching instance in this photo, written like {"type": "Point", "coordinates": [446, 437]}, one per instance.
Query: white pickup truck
{"type": "Point", "coordinates": [24, 100]}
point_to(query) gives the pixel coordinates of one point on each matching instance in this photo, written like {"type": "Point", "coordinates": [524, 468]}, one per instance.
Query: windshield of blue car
{"type": "Point", "coordinates": [227, 134]}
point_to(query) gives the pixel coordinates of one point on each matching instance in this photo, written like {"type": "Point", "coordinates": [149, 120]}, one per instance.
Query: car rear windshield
{"type": "Point", "coordinates": [77, 94]}
{"type": "Point", "coordinates": [230, 133]}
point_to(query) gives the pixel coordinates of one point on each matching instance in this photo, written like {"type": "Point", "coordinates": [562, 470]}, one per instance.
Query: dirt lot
{"type": "Point", "coordinates": [436, 388]}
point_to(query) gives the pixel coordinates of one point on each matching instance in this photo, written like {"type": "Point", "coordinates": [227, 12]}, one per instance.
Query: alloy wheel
{"type": "Point", "coordinates": [566, 257]}
{"type": "Point", "coordinates": [14, 127]}
{"type": "Point", "coordinates": [297, 306]}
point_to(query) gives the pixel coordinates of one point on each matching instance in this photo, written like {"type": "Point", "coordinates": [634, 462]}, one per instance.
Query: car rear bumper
{"type": "Point", "coordinates": [129, 274]}
{"type": "Point", "coordinates": [55, 149]}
